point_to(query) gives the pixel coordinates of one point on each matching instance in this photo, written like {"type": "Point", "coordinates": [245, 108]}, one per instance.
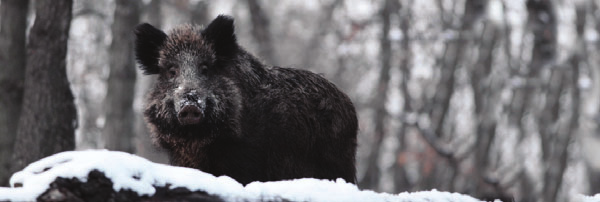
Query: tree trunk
{"type": "Point", "coordinates": [261, 31]}
{"type": "Point", "coordinates": [118, 103]}
{"type": "Point", "coordinates": [143, 142]}
{"type": "Point", "coordinates": [13, 16]}
{"type": "Point", "coordinates": [593, 172]}
{"type": "Point", "coordinates": [453, 56]}
{"type": "Point", "coordinates": [372, 175]}
{"type": "Point", "coordinates": [486, 97]}
{"type": "Point", "coordinates": [438, 107]}
{"type": "Point", "coordinates": [312, 51]}
{"type": "Point", "coordinates": [48, 119]}
{"type": "Point", "coordinates": [543, 25]}
{"type": "Point", "coordinates": [555, 142]}
{"type": "Point", "coordinates": [401, 182]}
{"type": "Point", "coordinates": [86, 66]}
{"type": "Point", "coordinates": [200, 13]}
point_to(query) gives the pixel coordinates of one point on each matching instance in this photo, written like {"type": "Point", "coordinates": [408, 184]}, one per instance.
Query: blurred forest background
{"type": "Point", "coordinates": [491, 98]}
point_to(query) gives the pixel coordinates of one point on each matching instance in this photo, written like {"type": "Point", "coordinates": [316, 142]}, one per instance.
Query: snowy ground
{"type": "Point", "coordinates": [140, 175]}
{"type": "Point", "coordinates": [595, 198]}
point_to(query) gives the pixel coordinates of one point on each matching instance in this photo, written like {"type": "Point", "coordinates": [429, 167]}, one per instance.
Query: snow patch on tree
{"type": "Point", "coordinates": [130, 172]}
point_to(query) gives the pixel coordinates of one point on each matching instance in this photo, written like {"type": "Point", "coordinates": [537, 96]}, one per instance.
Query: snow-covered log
{"type": "Point", "coordinates": [101, 175]}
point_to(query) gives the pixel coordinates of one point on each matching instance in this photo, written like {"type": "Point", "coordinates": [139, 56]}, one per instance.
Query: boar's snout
{"type": "Point", "coordinates": [189, 115]}
{"type": "Point", "coordinates": [191, 109]}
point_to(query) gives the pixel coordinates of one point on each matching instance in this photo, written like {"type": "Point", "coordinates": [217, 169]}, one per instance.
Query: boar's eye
{"type": "Point", "coordinates": [203, 69]}
{"type": "Point", "coordinates": [172, 72]}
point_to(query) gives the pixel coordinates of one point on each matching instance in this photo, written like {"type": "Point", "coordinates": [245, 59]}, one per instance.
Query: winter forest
{"type": "Point", "coordinates": [489, 98]}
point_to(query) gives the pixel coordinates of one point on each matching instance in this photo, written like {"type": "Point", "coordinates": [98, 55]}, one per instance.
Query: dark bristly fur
{"type": "Point", "coordinates": [258, 123]}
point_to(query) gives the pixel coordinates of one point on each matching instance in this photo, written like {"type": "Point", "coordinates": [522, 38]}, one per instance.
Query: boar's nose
{"type": "Point", "coordinates": [189, 115]}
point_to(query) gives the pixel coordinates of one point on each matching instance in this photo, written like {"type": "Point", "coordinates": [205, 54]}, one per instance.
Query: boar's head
{"type": "Point", "coordinates": [194, 91]}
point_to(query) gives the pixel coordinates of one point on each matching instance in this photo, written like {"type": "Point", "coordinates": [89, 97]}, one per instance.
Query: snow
{"type": "Point", "coordinates": [595, 198]}
{"type": "Point", "coordinates": [496, 11]}
{"type": "Point", "coordinates": [395, 34]}
{"type": "Point", "coordinates": [584, 82]}
{"type": "Point", "coordinates": [131, 172]}
{"type": "Point", "coordinates": [360, 10]}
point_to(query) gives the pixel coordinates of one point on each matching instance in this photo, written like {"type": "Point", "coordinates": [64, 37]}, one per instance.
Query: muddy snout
{"type": "Point", "coordinates": [191, 109]}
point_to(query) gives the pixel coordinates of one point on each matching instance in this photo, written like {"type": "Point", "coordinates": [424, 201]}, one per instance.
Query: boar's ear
{"type": "Point", "coordinates": [220, 33]}
{"type": "Point", "coordinates": [148, 40]}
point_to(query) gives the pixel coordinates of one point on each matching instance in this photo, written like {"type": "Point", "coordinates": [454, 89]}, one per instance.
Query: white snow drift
{"type": "Point", "coordinates": [128, 171]}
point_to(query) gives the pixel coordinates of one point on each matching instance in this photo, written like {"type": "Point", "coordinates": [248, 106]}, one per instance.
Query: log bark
{"type": "Point", "coordinates": [99, 188]}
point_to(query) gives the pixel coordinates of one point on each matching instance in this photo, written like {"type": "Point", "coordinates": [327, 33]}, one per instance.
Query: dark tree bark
{"type": "Point", "coordinates": [48, 116]}
{"type": "Point", "coordinates": [98, 187]}
{"type": "Point", "coordinates": [594, 186]}
{"type": "Point", "coordinates": [543, 25]}
{"type": "Point", "coordinates": [118, 103]}
{"type": "Point", "coordinates": [401, 182]}
{"type": "Point", "coordinates": [453, 54]}
{"type": "Point", "coordinates": [486, 95]}
{"type": "Point", "coordinates": [261, 31]}
{"type": "Point", "coordinates": [592, 171]}
{"type": "Point", "coordinates": [13, 22]}
{"type": "Point", "coordinates": [372, 175]}
{"type": "Point", "coordinates": [555, 142]}
{"type": "Point", "coordinates": [438, 107]}
{"type": "Point", "coordinates": [153, 13]}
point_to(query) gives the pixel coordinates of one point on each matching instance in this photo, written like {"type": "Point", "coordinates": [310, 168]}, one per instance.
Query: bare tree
{"type": "Point", "coordinates": [325, 21]}
{"type": "Point", "coordinates": [401, 182]}
{"type": "Point", "coordinates": [12, 65]}
{"type": "Point", "coordinates": [542, 24]}
{"type": "Point", "coordinates": [593, 171]}
{"type": "Point", "coordinates": [200, 13]}
{"type": "Point", "coordinates": [372, 175]}
{"type": "Point", "coordinates": [454, 50]}
{"type": "Point", "coordinates": [261, 31]}
{"type": "Point", "coordinates": [143, 143]}
{"type": "Point", "coordinates": [48, 116]}
{"type": "Point", "coordinates": [486, 93]}
{"type": "Point", "coordinates": [118, 103]}
{"type": "Point", "coordinates": [437, 108]}
{"type": "Point", "coordinates": [557, 135]}
{"type": "Point", "coordinates": [87, 67]}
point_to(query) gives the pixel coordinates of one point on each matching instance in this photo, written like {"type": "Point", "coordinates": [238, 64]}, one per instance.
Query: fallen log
{"type": "Point", "coordinates": [100, 175]}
